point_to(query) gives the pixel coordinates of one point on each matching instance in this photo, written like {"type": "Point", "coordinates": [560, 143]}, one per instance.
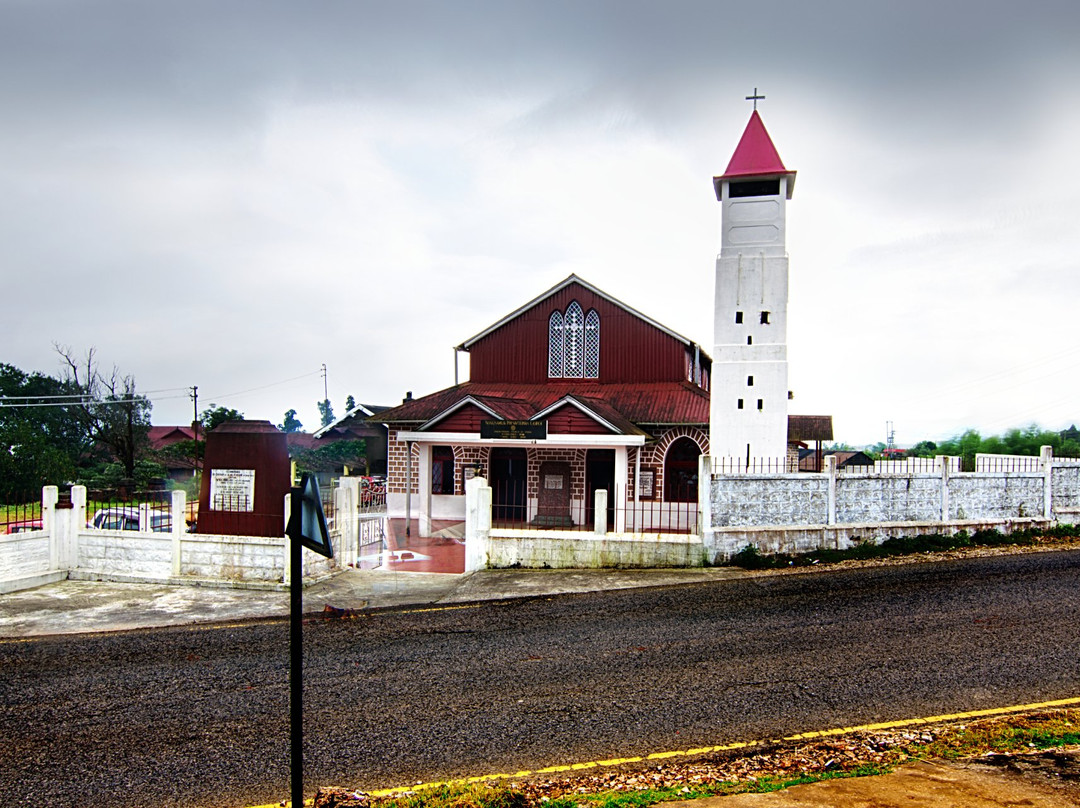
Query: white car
{"type": "Point", "coordinates": [128, 519]}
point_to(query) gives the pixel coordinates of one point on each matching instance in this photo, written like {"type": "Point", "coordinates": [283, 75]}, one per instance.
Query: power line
{"type": "Point", "coordinates": [86, 402]}
{"type": "Point", "coordinates": [266, 386]}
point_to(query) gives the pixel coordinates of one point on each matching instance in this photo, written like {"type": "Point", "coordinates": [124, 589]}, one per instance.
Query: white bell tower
{"type": "Point", "coordinates": [748, 418]}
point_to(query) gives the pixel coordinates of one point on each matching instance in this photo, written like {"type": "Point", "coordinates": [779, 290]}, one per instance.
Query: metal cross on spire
{"type": "Point", "coordinates": [755, 98]}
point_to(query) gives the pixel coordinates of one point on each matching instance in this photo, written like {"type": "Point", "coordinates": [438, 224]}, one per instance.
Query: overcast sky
{"type": "Point", "coordinates": [230, 194]}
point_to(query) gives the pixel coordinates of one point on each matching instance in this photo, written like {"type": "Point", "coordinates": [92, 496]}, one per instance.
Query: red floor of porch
{"type": "Point", "coordinates": [442, 551]}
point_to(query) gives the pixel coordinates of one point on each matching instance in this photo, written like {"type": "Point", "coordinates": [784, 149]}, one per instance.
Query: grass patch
{"type": "Point", "coordinates": [1021, 734]}
{"type": "Point", "coordinates": [749, 558]}
{"type": "Point", "coordinates": [504, 796]}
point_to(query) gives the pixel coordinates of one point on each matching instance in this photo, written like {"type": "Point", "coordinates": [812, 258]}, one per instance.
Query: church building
{"type": "Point", "coordinates": [576, 391]}
{"type": "Point", "coordinates": [573, 392]}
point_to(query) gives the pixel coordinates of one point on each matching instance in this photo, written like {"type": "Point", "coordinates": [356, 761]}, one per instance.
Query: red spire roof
{"type": "Point", "coordinates": [755, 156]}
{"type": "Point", "coordinates": [755, 153]}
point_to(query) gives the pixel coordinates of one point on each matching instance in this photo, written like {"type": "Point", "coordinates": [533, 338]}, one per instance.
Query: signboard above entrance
{"type": "Point", "coordinates": [513, 430]}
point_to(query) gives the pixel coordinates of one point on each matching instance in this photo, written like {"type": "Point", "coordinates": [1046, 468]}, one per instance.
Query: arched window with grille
{"type": "Point", "coordinates": [574, 343]}
{"type": "Point", "coordinates": [592, 345]}
{"type": "Point", "coordinates": [681, 471]}
{"type": "Point", "coordinates": [574, 357]}
{"type": "Point", "coordinates": [556, 339]}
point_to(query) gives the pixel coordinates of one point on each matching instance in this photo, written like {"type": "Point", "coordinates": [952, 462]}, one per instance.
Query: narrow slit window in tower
{"type": "Point", "coordinates": [764, 318]}
{"type": "Point", "coordinates": [749, 381]}
{"type": "Point", "coordinates": [761, 403]}
{"type": "Point", "coordinates": [740, 403]}
{"type": "Point", "coordinates": [738, 317]}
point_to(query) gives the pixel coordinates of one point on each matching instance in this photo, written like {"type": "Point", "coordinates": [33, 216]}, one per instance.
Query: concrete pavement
{"type": "Point", "coordinates": [73, 606]}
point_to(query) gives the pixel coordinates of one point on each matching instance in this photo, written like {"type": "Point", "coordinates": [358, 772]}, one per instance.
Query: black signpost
{"type": "Point", "coordinates": [306, 528]}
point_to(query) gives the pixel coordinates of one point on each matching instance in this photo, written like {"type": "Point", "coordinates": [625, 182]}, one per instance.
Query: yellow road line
{"type": "Point", "coordinates": [884, 725]}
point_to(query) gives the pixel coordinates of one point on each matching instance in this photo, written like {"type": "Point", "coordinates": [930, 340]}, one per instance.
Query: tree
{"type": "Point", "coordinates": [290, 424]}
{"type": "Point", "coordinates": [326, 412]}
{"type": "Point", "coordinates": [333, 456]}
{"type": "Point", "coordinates": [42, 441]}
{"type": "Point", "coordinates": [924, 448]}
{"type": "Point", "coordinates": [111, 411]}
{"type": "Point", "coordinates": [214, 416]}
{"type": "Point", "coordinates": [350, 404]}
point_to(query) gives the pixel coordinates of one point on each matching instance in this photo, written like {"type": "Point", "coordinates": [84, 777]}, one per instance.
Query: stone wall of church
{"type": "Point", "coordinates": [803, 512]}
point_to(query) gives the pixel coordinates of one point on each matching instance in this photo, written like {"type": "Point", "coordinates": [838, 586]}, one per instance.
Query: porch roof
{"type": "Point", "coordinates": [633, 404]}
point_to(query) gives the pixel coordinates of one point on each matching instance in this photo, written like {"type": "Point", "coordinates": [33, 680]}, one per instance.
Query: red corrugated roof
{"type": "Point", "coordinates": [162, 436]}
{"type": "Point", "coordinates": [648, 403]}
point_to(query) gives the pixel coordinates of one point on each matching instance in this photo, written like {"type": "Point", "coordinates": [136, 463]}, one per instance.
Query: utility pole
{"type": "Point", "coordinates": [325, 394]}
{"type": "Point", "coordinates": [195, 421]}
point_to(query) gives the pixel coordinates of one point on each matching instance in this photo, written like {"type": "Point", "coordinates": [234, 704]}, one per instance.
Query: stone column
{"type": "Point", "coordinates": [423, 479]}
{"type": "Point", "coordinates": [622, 468]}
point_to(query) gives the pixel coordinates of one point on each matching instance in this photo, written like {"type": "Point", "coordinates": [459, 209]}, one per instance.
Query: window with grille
{"type": "Point", "coordinates": [574, 344]}
{"type": "Point", "coordinates": [555, 345]}
{"type": "Point", "coordinates": [592, 345]}
{"type": "Point", "coordinates": [442, 470]}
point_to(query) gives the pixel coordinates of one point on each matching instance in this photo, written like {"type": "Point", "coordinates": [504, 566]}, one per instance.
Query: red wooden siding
{"type": "Point", "coordinates": [464, 419]}
{"type": "Point", "coordinates": [569, 420]}
{"type": "Point", "coordinates": [631, 350]}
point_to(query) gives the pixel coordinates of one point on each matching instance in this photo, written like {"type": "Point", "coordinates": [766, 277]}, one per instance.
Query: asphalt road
{"type": "Point", "coordinates": [199, 717]}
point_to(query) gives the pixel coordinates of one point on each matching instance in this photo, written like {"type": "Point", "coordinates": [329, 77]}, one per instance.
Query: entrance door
{"type": "Point", "coordinates": [509, 500]}
{"type": "Point", "coordinates": [600, 475]}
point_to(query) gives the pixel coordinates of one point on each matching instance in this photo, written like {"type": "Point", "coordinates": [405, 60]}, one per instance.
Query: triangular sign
{"type": "Point", "coordinates": [307, 523]}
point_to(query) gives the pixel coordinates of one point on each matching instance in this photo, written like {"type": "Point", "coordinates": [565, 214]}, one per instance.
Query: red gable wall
{"type": "Point", "coordinates": [569, 420]}
{"type": "Point", "coordinates": [465, 419]}
{"type": "Point", "coordinates": [631, 350]}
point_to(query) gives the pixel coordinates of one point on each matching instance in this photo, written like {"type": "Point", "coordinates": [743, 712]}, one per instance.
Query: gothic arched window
{"type": "Point", "coordinates": [556, 337]}
{"type": "Point", "coordinates": [574, 344]}
{"type": "Point", "coordinates": [574, 357]}
{"type": "Point", "coordinates": [592, 345]}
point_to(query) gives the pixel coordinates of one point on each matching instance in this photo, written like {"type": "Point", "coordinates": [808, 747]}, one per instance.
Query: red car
{"type": "Point", "coordinates": [23, 526]}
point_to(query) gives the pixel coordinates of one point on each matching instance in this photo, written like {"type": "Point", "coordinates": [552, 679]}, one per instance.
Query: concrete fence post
{"type": "Point", "coordinates": [945, 471]}
{"type": "Point", "coordinates": [600, 511]}
{"type": "Point", "coordinates": [50, 495]}
{"type": "Point", "coordinates": [830, 471]}
{"type": "Point", "coordinates": [179, 527]}
{"type": "Point", "coordinates": [704, 493]}
{"type": "Point", "coordinates": [347, 504]}
{"type": "Point", "coordinates": [1046, 457]}
{"type": "Point", "coordinates": [477, 523]}
{"type": "Point", "coordinates": [77, 515]}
